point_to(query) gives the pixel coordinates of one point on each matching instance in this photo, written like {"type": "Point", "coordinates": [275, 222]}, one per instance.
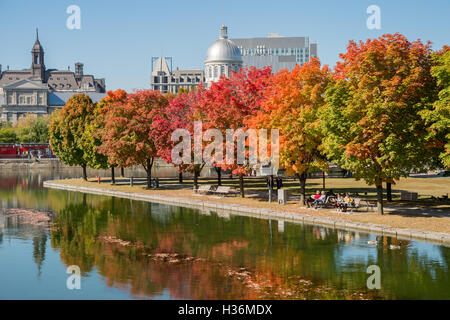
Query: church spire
{"type": "Point", "coordinates": [37, 56]}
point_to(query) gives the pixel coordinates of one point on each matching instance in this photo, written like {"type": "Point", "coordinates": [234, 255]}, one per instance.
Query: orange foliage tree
{"type": "Point", "coordinates": [128, 136]}
{"type": "Point", "coordinates": [291, 105]}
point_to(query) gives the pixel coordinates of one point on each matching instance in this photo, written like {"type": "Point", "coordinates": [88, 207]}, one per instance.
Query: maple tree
{"type": "Point", "coordinates": [229, 104]}
{"type": "Point", "coordinates": [70, 137]}
{"type": "Point", "coordinates": [371, 122]}
{"type": "Point", "coordinates": [179, 114]}
{"type": "Point", "coordinates": [438, 118]}
{"type": "Point", "coordinates": [292, 104]}
{"type": "Point", "coordinates": [128, 135]}
{"type": "Point", "coordinates": [97, 127]}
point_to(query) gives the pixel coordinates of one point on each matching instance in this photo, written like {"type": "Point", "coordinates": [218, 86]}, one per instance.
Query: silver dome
{"type": "Point", "coordinates": [223, 50]}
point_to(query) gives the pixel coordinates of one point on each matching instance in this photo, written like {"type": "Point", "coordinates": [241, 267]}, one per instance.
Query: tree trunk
{"type": "Point", "coordinates": [122, 172]}
{"type": "Point", "coordinates": [113, 178]}
{"type": "Point", "coordinates": [180, 177]}
{"type": "Point", "coordinates": [389, 191]}
{"type": "Point", "coordinates": [380, 199]}
{"type": "Point", "coordinates": [195, 179]}
{"type": "Point", "coordinates": [84, 172]}
{"type": "Point", "coordinates": [323, 180]}
{"type": "Point", "coordinates": [241, 185]}
{"type": "Point", "coordinates": [149, 173]}
{"type": "Point", "coordinates": [302, 179]}
{"type": "Point", "coordinates": [219, 175]}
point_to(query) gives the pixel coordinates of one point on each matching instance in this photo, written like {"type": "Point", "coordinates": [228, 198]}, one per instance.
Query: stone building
{"type": "Point", "coordinates": [39, 90]}
{"type": "Point", "coordinates": [166, 80]}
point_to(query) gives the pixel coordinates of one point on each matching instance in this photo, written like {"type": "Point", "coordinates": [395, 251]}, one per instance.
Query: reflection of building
{"type": "Point", "coordinates": [276, 51]}
{"type": "Point", "coordinates": [165, 79]}
{"type": "Point", "coordinates": [39, 90]}
{"type": "Point", "coordinates": [222, 57]}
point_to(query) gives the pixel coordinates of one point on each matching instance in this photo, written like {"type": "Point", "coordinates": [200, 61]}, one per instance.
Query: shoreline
{"type": "Point", "coordinates": [440, 238]}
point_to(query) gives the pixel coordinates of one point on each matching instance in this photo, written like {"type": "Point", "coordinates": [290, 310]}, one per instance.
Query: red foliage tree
{"type": "Point", "coordinates": [230, 103]}
{"type": "Point", "coordinates": [179, 114]}
{"type": "Point", "coordinates": [129, 135]}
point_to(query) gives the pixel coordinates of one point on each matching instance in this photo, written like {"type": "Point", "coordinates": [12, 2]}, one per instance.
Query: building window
{"type": "Point", "coordinates": [28, 100]}
{"type": "Point", "coordinates": [215, 72]}
{"type": "Point", "coordinates": [222, 69]}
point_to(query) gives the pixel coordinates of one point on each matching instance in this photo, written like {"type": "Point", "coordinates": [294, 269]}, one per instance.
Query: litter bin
{"type": "Point", "coordinates": [282, 196]}
{"type": "Point", "coordinates": [409, 196]}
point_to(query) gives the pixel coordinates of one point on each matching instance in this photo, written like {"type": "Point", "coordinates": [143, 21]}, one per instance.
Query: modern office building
{"type": "Point", "coordinates": [276, 51]}
{"type": "Point", "coordinates": [39, 90]}
{"type": "Point", "coordinates": [164, 79]}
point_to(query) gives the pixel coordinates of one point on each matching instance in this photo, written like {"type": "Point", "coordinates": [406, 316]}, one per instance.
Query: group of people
{"type": "Point", "coordinates": [341, 203]}
{"type": "Point", "coordinates": [316, 199]}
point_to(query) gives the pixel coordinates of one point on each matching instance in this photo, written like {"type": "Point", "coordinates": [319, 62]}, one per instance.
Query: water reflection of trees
{"type": "Point", "coordinates": [298, 251]}
{"type": "Point", "coordinates": [38, 234]}
{"type": "Point", "coordinates": [282, 256]}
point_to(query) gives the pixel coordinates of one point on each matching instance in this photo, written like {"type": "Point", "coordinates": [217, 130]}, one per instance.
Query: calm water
{"type": "Point", "coordinates": [137, 250]}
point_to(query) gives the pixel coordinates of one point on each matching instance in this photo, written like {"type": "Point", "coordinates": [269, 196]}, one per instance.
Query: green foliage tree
{"type": "Point", "coordinates": [438, 118]}
{"type": "Point", "coordinates": [71, 134]}
{"type": "Point", "coordinates": [8, 135]}
{"type": "Point", "coordinates": [371, 123]}
{"type": "Point", "coordinates": [32, 129]}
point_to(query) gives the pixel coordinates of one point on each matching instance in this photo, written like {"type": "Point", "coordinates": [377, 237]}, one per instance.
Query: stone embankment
{"type": "Point", "coordinates": [222, 208]}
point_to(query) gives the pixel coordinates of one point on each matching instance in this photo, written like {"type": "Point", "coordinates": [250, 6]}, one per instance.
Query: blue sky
{"type": "Point", "coordinates": [118, 38]}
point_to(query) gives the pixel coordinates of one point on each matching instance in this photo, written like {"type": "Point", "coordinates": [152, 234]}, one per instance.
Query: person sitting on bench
{"type": "Point", "coordinates": [321, 199]}
{"type": "Point", "coordinates": [312, 199]}
{"type": "Point", "coordinates": [348, 201]}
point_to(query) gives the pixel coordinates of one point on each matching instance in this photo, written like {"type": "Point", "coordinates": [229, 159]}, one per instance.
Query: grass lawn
{"type": "Point", "coordinates": [424, 214]}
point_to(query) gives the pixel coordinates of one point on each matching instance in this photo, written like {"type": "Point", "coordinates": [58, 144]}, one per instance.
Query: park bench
{"type": "Point", "coordinates": [329, 202]}
{"type": "Point", "coordinates": [350, 206]}
{"type": "Point", "coordinates": [205, 189]}
{"type": "Point", "coordinates": [355, 204]}
{"type": "Point", "coordinates": [369, 204]}
{"type": "Point", "coordinates": [223, 190]}
{"type": "Point", "coordinates": [358, 203]}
